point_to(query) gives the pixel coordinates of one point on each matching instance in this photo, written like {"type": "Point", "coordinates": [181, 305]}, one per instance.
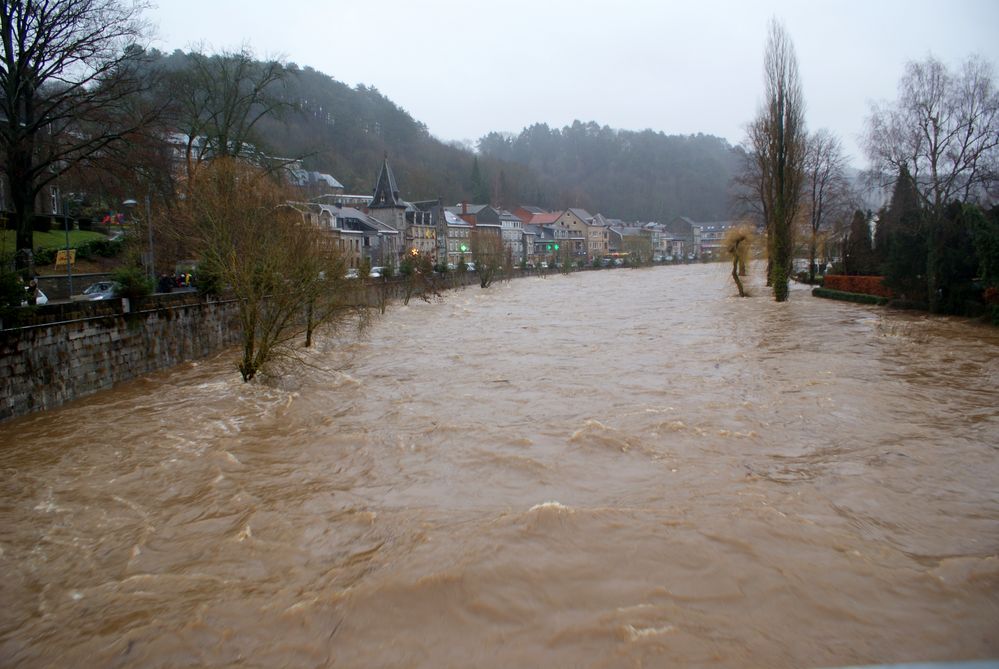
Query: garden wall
{"type": "Point", "coordinates": [865, 285]}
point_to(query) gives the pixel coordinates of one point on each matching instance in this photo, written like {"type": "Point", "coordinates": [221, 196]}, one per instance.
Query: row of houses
{"type": "Point", "coordinates": [379, 229]}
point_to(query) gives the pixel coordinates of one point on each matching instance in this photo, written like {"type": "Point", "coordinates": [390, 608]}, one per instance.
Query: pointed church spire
{"type": "Point", "coordinates": [386, 191]}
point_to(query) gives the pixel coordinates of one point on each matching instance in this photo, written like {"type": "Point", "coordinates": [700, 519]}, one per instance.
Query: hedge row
{"type": "Point", "coordinates": [859, 298]}
{"type": "Point", "coordinates": [866, 285]}
{"type": "Point", "coordinates": [104, 248]}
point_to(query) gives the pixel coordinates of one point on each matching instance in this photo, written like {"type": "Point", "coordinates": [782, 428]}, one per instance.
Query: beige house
{"type": "Point", "coordinates": [598, 237]}
{"type": "Point", "coordinates": [573, 226]}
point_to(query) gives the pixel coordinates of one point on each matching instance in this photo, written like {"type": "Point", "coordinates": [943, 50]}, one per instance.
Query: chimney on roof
{"type": "Point", "coordinates": [464, 207]}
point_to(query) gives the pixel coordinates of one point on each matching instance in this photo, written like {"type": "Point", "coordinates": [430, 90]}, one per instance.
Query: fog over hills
{"type": "Point", "coordinates": [633, 175]}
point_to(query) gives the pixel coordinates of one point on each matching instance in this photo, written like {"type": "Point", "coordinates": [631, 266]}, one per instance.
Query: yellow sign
{"type": "Point", "coordinates": [61, 258]}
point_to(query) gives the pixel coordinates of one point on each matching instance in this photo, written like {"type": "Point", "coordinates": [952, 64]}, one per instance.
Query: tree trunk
{"type": "Point", "coordinates": [309, 324]}
{"type": "Point", "coordinates": [735, 276]}
{"type": "Point", "coordinates": [22, 197]}
{"type": "Point", "coordinates": [812, 250]}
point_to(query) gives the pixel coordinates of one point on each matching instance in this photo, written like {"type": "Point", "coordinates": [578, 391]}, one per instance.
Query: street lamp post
{"type": "Point", "coordinates": [69, 259]}
{"type": "Point", "coordinates": [149, 226]}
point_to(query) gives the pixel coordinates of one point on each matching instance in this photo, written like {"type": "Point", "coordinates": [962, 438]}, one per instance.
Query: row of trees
{"type": "Point", "coordinates": [84, 105]}
{"type": "Point", "coordinates": [936, 146]}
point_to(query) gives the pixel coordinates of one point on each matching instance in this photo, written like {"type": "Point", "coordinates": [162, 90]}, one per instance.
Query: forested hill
{"type": "Point", "coordinates": [346, 131]}
{"type": "Point", "coordinates": [630, 175]}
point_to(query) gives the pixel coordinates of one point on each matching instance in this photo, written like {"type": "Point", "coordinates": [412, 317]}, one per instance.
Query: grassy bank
{"type": "Point", "coordinates": [49, 240]}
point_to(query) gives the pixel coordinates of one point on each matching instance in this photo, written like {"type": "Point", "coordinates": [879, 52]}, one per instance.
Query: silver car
{"type": "Point", "coordinates": [102, 290]}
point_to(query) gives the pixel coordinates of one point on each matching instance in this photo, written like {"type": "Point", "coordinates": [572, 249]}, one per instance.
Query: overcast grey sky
{"type": "Point", "coordinates": [465, 68]}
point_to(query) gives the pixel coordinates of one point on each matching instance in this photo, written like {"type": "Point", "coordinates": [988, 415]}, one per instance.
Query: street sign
{"type": "Point", "coordinates": [61, 258]}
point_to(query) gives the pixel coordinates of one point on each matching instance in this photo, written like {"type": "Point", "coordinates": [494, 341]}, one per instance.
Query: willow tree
{"type": "Point", "coordinates": [285, 273]}
{"type": "Point", "coordinates": [777, 138]}
{"type": "Point", "coordinates": [738, 245]}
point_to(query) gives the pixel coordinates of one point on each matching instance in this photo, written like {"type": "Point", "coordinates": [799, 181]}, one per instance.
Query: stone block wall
{"type": "Point", "coordinates": [44, 365]}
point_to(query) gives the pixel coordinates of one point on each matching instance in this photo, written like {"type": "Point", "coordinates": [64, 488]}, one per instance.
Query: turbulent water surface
{"type": "Point", "coordinates": [609, 469]}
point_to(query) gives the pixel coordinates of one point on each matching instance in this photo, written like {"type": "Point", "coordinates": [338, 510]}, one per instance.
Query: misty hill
{"type": "Point", "coordinates": [346, 131]}
{"type": "Point", "coordinates": [630, 175]}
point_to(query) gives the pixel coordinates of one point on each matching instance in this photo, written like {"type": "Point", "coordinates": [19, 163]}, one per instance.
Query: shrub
{"type": "Point", "coordinates": [993, 314]}
{"type": "Point", "coordinates": [105, 248]}
{"type": "Point", "coordinates": [858, 298]}
{"type": "Point", "coordinates": [11, 291]}
{"type": "Point", "coordinates": [132, 282]}
{"type": "Point", "coordinates": [208, 280]}
{"type": "Point", "coordinates": [44, 256]}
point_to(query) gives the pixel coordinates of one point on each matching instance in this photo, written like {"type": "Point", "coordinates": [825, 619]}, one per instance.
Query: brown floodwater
{"type": "Point", "coordinates": [607, 469]}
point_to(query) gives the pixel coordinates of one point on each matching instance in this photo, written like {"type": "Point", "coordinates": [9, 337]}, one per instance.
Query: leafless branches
{"type": "Point", "coordinates": [827, 191]}
{"type": "Point", "coordinates": [67, 74]}
{"type": "Point", "coordinates": [943, 129]}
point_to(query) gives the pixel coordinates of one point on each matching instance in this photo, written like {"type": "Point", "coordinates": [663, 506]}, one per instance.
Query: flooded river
{"type": "Point", "coordinates": [608, 469]}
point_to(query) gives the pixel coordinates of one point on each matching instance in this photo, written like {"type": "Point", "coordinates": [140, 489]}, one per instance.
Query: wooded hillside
{"type": "Point", "coordinates": [346, 131]}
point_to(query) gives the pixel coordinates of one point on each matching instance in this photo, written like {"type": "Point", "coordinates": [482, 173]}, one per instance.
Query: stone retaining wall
{"type": "Point", "coordinates": [55, 353]}
{"type": "Point", "coordinates": [44, 365]}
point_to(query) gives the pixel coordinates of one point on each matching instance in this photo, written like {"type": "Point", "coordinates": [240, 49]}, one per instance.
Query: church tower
{"type": "Point", "coordinates": [387, 206]}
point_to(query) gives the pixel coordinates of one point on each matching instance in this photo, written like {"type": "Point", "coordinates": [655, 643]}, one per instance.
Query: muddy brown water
{"type": "Point", "coordinates": [609, 469]}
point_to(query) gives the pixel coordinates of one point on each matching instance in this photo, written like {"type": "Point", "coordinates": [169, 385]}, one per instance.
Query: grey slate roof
{"type": "Point", "coordinates": [386, 190]}
{"type": "Point", "coordinates": [365, 220]}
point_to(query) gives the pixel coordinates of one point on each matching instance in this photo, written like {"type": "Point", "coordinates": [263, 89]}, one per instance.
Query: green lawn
{"type": "Point", "coordinates": [49, 240]}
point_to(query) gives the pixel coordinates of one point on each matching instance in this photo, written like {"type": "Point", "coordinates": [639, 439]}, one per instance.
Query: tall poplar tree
{"type": "Point", "coordinates": [778, 140]}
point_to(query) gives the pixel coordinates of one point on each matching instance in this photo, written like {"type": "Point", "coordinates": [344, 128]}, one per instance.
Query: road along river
{"type": "Point", "coordinates": [628, 468]}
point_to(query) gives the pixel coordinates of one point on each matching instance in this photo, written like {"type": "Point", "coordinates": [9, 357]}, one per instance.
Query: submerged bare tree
{"type": "Point", "coordinates": [418, 279]}
{"type": "Point", "coordinates": [487, 254]}
{"type": "Point", "coordinates": [777, 139]}
{"type": "Point", "coordinates": [738, 245]}
{"type": "Point", "coordinates": [287, 276]}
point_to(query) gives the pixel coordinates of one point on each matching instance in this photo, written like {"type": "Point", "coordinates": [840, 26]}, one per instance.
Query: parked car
{"type": "Point", "coordinates": [102, 290]}
{"type": "Point", "coordinates": [376, 272]}
{"type": "Point", "coordinates": [351, 273]}
{"type": "Point", "coordinates": [470, 267]}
